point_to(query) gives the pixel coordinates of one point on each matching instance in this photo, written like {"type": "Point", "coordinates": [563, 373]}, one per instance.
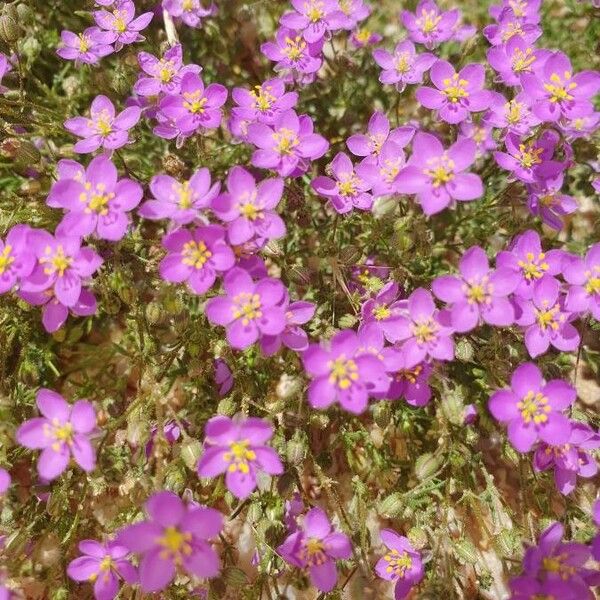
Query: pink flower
{"type": "Point", "coordinates": [17, 258]}
{"type": "Point", "coordinates": [87, 47]}
{"type": "Point", "coordinates": [61, 433]}
{"type": "Point", "coordinates": [428, 25]}
{"type": "Point", "coordinates": [314, 18]}
{"type": "Point", "coordinates": [404, 66]}
{"type": "Point", "coordinates": [121, 22]}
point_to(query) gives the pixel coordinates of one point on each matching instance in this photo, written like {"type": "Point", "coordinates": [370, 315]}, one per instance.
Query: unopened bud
{"type": "Point", "coordinates": [417, 537]}
{"type": "Point", "coordinates": [426, 465]}
{"type": "Point", "coordinates": [173, 165]}
{"type": "Point", "coordinates": [288, 386]}
{"type": "Point", "coordinates": [234, 577]}
{"type": "Point", "coordinates": [350, 255]}
{"type": "Point", "coordinates": [190, 453]}
{"type": "Point", "coordinates": [297, 447]}
{"type": "Point", "coordinates": [347, 321]}
{"type": "Point", "coordinates": [300, 275]}
{"type": "Point", "coordinates": [391, 506]}
{"type": "Point", "coordinates": [382, 413]}
{"type": "Point", "coordinates": [10, 31]}
{"type": "Point", "coordinates": [227, 407]}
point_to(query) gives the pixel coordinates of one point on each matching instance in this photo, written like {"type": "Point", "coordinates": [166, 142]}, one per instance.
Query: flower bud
{"type": "Point", "coordinates": [24, 13]}
{"type": "Point", "coordinates": [382, 413]}
{"type": "Point", "coordinates": [465, 551]}
{"type": "Point", "coordinates": [234, 577]}
{"type": "Point", "coordinates": [190, 453]}
{"type": "Point", "coordinates": [21, 151]}
{"type": "Point", "coordinates": [300, 275]}
{"type": "Point", "coordinates": [297, 447]}
{"type": "Point", "coordinates": [350, 255]}
{"type": "Point", "coordinates": [426, 465]}
{"type": "Point", "coordinates": [227, 407]}
{"type": "Point", "coordinates": [319, 420]}
{"type": "Point", "coordinates": [391, 506]}
{"type": "Point", "coordinates": [347, 321]}
{"type": "Point", "coordinates": [288, 387]}
{"type": "Point", "coordinates": [417, 537]}
{"type": "Point", "coordinates": [10, 31]}
{"type": "Point", "coordinates": [173, 165]}
{"type": "Point", "coordinates": [464, 350]}
{"type": "Point", "coordinates": [155, 313]}
{"type": "Point", "coordinates": [384, 206]}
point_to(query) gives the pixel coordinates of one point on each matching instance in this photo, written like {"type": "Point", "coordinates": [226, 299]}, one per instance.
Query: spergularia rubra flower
{"type": "Point", "coordinates": [17, 258]}
{"type": "Point", "coordinates": [583, 275]}
{"type": "Point", "coordinates": [237, 447]}
{"type": "Point", "coordinates": [314, 18]}
{"type": "Point", "coordinates": [4, 481]}
{"type": "Point", "coordinates": [191, 12]}
{"type": "Point", "coordinates": [400, 563]}
{"type": "Point", "coordinates": [404, 66]}
{"type": "Point", "coordinates": [429, 25]}
{"type": "Point", "coordinates": [122, 23]}
{"type": "Point", "coordinates": [87, 47]}
{"type": "Point", "coordinates": [61, 433]}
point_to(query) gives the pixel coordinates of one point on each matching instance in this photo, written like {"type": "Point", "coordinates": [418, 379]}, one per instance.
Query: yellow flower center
{"type": "Point", "coordinates": [428, 21]}
{"type": "Point", "coordinates": [556, 564]}
{"type": "Point", "coordinates": [528, 155]}
{"type": "Point", "coordinates": [119, 21]}
{"type": "Point", "coordinates": [187, 5]}
{"type": "Point", "coordinates": [6, 259]}
{"type": "Point", "coordinates": [104, 123]}
{"type": "Point", "coordinates": [294, 48]}
{"type": "Point", "coordinates": [247, 307]}
{"type": "Point", "coordinates": [313, 551]}
{"type": "Point", "coordinates": [363, 35]}
{"type": "Point", "coordinates": [441, 170]}
{"type": "Point", "coordinates": [250, 211]}
{"type": "Point", "coordinates": [402, 63]}
{"type": "Point", "coordinates": [263, 99]}
{"type": "Point", "coordinates": [348, 185]}
{"type": "Point", "coordinates": [479, 293]}
{"type": "Point", "coordinates": [195, 254]}
{"type": "Point", "coordinates": [592, 285]}
{"type": "Point", "coordinates": [194, 102]}
{"type": "Point", "coordinates": [534, 407]}
{"type": "Point", "coordinates": [546, 317]}
{"type": "Point", "coordinates": [175, 543]}
{"type": "Point", "coordinates": [239, 456]}
{"type": "Point", "coordinates": [97, 201]}
{"type": "Point", "coordinates": [512, 29]}
{"type": "Point", "coordinates": [513, 111]}
{"type": "Point", "coordinates": [57, 262]}
{"type": "Point", "coordinates": [314, 10]}
{"type": "Point", "coordinates": [84, 43]}
{"type": "Point", "coordinates": [522, 61]}
{"type": "Point", "coordinates": [165, 70]}
{"type": "Point", "coordinates": [409, 375]}
{"type": "Point", "coordinates": [518, 7]}
{"type": "Point", "coordinates": [382, 312]}
{"type": "Point", "coordinates": [342, 372]}
{"type": "Point", "coordinates": [398, 563]}
{"type": "Point", "coordinates": [424, 331]}
{"type": "Point", "coordinates": [286, 140]}
{"type": "Point", "coordinates": [559, 90]}
{"type": "Point", "coordinates": [454, 88]}
{"type": "Point", "coordinates": [533, 268]}
{"type": "Point", "coordinates": [186, 195]}
{"type": "Point", "coordinates": [59, 432]}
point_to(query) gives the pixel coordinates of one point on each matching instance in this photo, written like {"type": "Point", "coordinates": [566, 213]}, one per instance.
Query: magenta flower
{"type": "Point", "coordinates": [428, 25]}
{"type": "Point", "coordinates": [182, 203]}
{"type": "Point", "coordinates": [223, 376]}
{"type": "Point", "coordinates": [370, 145]}
{"type": "Point", "coordinates": [315, 546]}
{"type": "Point", "coordinates": [249, 208]}
{"type": "Point", "coordinates": [296, 58]}
{"type": "Point", "coordinates": [514, 116]}
{"type": "Point", "coordinates": [384, 170]}
{"type": "Point", "coordinates": [583, 275]}
{"type": "Point", "coordinates": [525, 256]}
{"type": "Point", "coordinates": [401, 563]}
{"type": "Point", "coordinates": [264, 102]}
{"type": "Point", "coordinates": [293, 336]}
{"type": "Point", "coordinates": [424, 331]}
{"type": "Point", "coordinates": [580, 127]}
{"type": "Point", "coordinates": [384, 310]}
{"type": "Point", "coordinates": [532, 408]}
{"type": "Point", "coordinates": [104, 565]}
{"type": "Point", "coordinates": [545, 320]}
{"type": "Point", "coordinates": [5, 67]}
{"type": "Point", "coordinates": [363, 37]}
{"type": "Point", "coordinates": [338, 375]}
{"type": "Point", "coordinates": [61, 433]}
{"type": "Point", "coordinates": [509, 26]}
{"type": "Point", "coordinates": [249, 310]}
{"type": "Point", "coordinates": [171, 433]}
{"type": "Point", "coordinates": [162, 75]}
{"type": "Point", "coordinates": [526, 10]}
{"type": "Point", "coordinates": [288, 146]}
{"type": "Point", "coordinates": [54, 313]}
{"type": "Point", "coordinates": [545, 200]}
{"type": "Point", "coordinates": [571, 459]}
{"type": "Point", "coordinates": [194, 107]}
{"type": "Point", "coordinates": [238, 448]}
{"type": "Point", "coordinates": [103, 129]}
{"type": "Point", "coordinates": [436, 175]}
{"type": "Point", "coordinates": [404, 66]}
{"type": "Point", "coordinates": [354, 11]}
{"type": "Point", "coordinates": [96, 201]}
{"type": "Point", "coordinates": [515, 58]}
{"type": "Point", "coordinates": [596, 540]}
{"type": "Point", "coordinates": [17, 259]}
{"type": "Point", "coordinates": [196, 257]}
{"type": "Point", "coordinates": [457, 94]}
{"type": "Point", "coordinates": [368, 278]}
{"type": "Point", "coordinates": [314, 18]}
{"type": "Point", "coordinates": [4, 481]}
{"type": "Point", "coordinates": [173, 537]}
{"type": "Point", "coordinates": [479, 293]}
{"type": "Point", "coordinates": [532, 159]}
{"type": "Point", "coordinates": [87, 47]}
{"type": "Point", "coordinates": [122, 23]}
{"type": "Point", "coordinates": [191, 12]}
{"type": "Point", "coordinates": [62, 264]}
{"type": "Point", "coordinates": [556, 92]}
{"type": "Point", "coordinates": [529, 588]}
{"type": "Point", "coordinates": [348, 189]}
{"type": "Point", "coordinates": [412, 383]}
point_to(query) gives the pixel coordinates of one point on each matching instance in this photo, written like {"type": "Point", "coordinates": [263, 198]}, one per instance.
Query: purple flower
{"type": "Point", "coordinates": [410, 383]}
{"type": "Point", "coordinates": [314, 18]}
{"type": "Point", "coordinates": [17, 259]}
{"type": "Point", "coordinates": [368, 278]}
{"type": "Point", "coordinates": [293, 336]}
{"type": "Point", "coordinates": [316, 546]}
{"type": "Point", "coordinates": [555, 91]}
{"type": "Point", "coordinates": [570, 459]}
{"type": "Point", "coordinates": [196, 257]}
{"type": "Point", "coordinates": [583, 275]}
{"type": "Point", "coordinates": [103, 565]}
{"type": "Point", "coordinates": [580, 127]}
{"type": "Point", "coordinates": [404, 66]}
{"type": "Point", "coordinates": [87, 47]}
{"type": "Point", "coordinates": [63, 431]}
{"type": "Point", "coordinates": [479, 293]}
{"type": "Point", "coordinates": [457, 94]}
{"type": "Point", "coordinates": [530, 160]}
{"type": "Point", "coordinates": [383, 171]}
{"type": "Point", "coordinates": [515, 58]}
{"type": "Point", "coordinates": [121, 22]}
{"type": "Point", "coordinates": [96, 201]}
{"type": "Point", "coordinates": [248, 208]}
{"type": "Point", "coordinates": [191, 12]}
{"type": "Point", "coordinates": [4, 481]}
{"type": "Point", "coordinates": [238, 448]}
{"type": "Point", "coordinates": [350, 186]}
{"type": "Point", "coordinates": [61, 265]}
{"type": "Point", "coordinates": [296, 59]}
{"type": "Point", "coordinates": [401, 563]}
{"type": "Point", "coordinates": [54, 313]}
{"type": "Point", "coordinates": [424, 331]}
{"type": "Point", "coordinates": [223, 376]}
{"type": "Point", "coordinates": [509, 26]}
{"type": "Point", "coordinates": [103, 128]}
{"type": "Point", "coordinates": [264, 102]}
{"type": "Point", "coordinates": [171, 433]}
{"type": "Point", "coordinates": [596, 540]}
{"type": "Point", "coordinates": [249, 310]}
{"type": "Point", "coordinates": [288, 146]}
{"type": "Point", "coordinates": [529, 588]}
{"type": "Point", "coordinates": [526, 10]}
{"type": "Point", "coordinates": [514, 116]}
{"type": "Point", "coordinates": [436, 175]}
{"type": "Point", "coordinates": [5, 67]}
{"type": "Point", "coordinates": [182, 203]}
{"type": "Point", "coordinates": [525, 256]}
{"type": "Point", "coordinates": [339, 375]}
{"type": "Point", "coordinates": [174, 537]}
{"type": "Point", "coordinates": [370, 145]}
{"type": "Point", "coordinates": [545, 320]}
{"type": "Point", "coordinates": [429, 25]}
{"type": "Point", "coordinates": [384, 310]}
{"type": "Point", "coordinates": [363, 37]}
{"type": "Point", "coordinates": [546, 201]}
{"type": "Point", "coordinates": [194, 107]}
{"type": "Point", "coordinates": [162, 75]}
{"type": "Point", "coordinates": [560, 565]}
{"type": "Point", "coordinates": [532, 408]}
{"type": "Point", "coordinates": [482, 135]}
